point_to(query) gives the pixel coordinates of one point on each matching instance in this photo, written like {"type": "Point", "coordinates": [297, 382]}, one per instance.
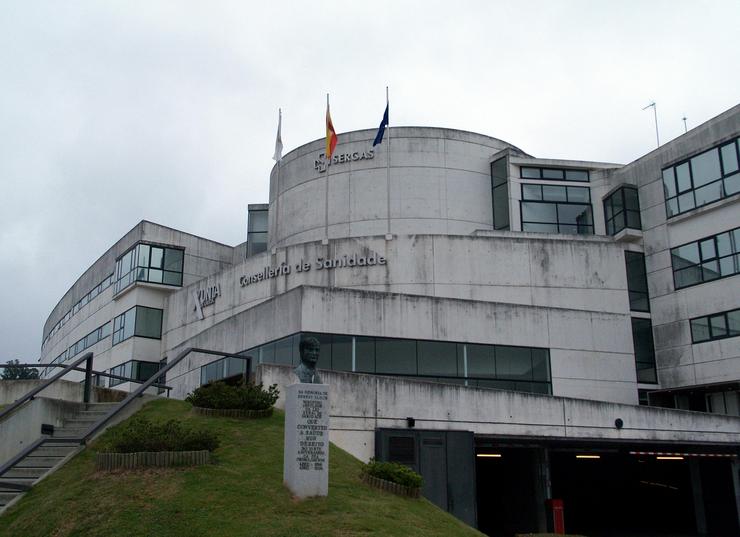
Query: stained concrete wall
{"type": "Point", "coordinates": [440, 182]}
{"type": "Point", "coordinates": [590, 352]}
{"type": "Point", "coordinates": [361, 403]}
{"type": "Point", "coordinates": [680, 363]}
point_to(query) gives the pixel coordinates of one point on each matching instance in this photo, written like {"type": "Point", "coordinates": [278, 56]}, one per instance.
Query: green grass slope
{"type": "Point", "coordinates": [241, 494]}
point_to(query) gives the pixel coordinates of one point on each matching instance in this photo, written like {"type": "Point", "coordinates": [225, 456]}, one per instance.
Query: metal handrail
{"type": "Point", "coordinates": [140, 390]}
{"type": "Point", "coordinates": [87, 357]}
{"type": "Point", "coordinates": [98, 373]}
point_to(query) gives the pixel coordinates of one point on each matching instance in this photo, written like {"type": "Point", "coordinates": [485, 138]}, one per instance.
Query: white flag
{"type": "Point", "coordinates": [278, 141]}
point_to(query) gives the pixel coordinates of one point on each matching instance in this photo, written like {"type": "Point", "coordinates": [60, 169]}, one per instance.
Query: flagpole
{"type": "Point", "coordinates": [277, 182]}
{"type": "Point", "coordinates": [388, 170]}
{"type": "Point", "coordinates": [326, 186]}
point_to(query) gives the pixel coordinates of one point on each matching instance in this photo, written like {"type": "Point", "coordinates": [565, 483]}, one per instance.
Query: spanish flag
{"type": "Point", "coordinates": [331, 135]}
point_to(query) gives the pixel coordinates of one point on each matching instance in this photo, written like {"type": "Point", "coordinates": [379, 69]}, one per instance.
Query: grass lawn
{"type": "Point", "coordinates": [241, 494]}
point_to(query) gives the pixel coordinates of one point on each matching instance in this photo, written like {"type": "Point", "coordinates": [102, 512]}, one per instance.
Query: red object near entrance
{"type": "Point", "coordinates": [557, 515]}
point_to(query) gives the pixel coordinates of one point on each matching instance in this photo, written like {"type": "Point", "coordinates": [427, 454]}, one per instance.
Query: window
{"type": "Point", "coordinates": [135, 370]}
{"type": "Point", "coordinates": [642, 338]}
{"type": "Point", "coordinates": [622, 210]}
{"type": "Point", "coordinates": [707, 259]}
{"type": "Point", "coordinates": [704, 178]}
{"type": "Point", "coordinates": [554, 174]}
{"type": "Point", "coordinates": [715, 326]}
{"type": "Point", "coordinates": [138, 321]}
{"type": "Point", "coordinates": [500, 194]}
{"type": "Point", "coordinates": [637, 281]}
{"type": "Point", "coordinates": [257, 228]}
{"type": "Point", "coordinates": [149, 263]}
{"type": "Point", "coordinates": [556, 209]}
{"type": "Point", "coordinates": [486, 366]}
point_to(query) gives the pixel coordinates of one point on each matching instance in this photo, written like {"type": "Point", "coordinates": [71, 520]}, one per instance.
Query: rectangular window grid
{"type": "Point", "coordinates": [486, 366]}
{"type": "Point", "coordinates": [149, 263]}
{"type": "Point", "coordinates": [716, 326]}
{"type": "Point", "coordinates": [708, 259]}
{"type": "Point", "coordinates": [702, 179]}
{"type": "Point", "coordinates": [133, 369]}
{"type": "Point", "coordinates": [642, 339]}
{"type": "Point", "coordinates": [138, 321]}
{"type": "Point", "coordinates": [556, 209]}
{"type": "Point", "coordinates": [554, 174]}
{"type": "Point", "coordinates": [622, 210]}
{"type": "Point", "coordinates": [637, 287]}
{"type": "Point", "coordinates": [500, 194]}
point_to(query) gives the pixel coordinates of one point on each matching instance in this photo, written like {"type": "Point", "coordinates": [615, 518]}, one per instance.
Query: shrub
{"type": "Point", "coordinates": [394, 472]}
{"type": "Point", "coordinates": [220, 395]}
{"type": "Point", "coordinates": [140, 434]}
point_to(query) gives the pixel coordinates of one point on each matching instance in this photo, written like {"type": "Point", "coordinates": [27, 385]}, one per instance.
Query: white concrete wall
{"type": "Point", "coordinates": [440, 182]}
{"type": "Point", "coordinates": [591, 353]}
{"type": "Point", "coordinates": [679, 362]}
{"type": "Point", "coordinates": [361, 403]}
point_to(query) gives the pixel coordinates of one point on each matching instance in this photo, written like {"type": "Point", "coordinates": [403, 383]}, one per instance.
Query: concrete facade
{"type": "Point", "coordinates": [398, 244]}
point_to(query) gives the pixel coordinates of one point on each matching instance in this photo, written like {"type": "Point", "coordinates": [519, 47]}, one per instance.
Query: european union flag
{"type": "Point", "coordinates": [381, 129]}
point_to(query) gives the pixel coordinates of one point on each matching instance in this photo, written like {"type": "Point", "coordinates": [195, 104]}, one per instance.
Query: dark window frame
{"type": "Point", "coordinates": [702, 261]}
{"type": "Point", "coordinates": [134, 333]}
{"type": "Point", "coordinates": [623, 212]}
{"type": "Point", "coordinates": [131, 274]}
{"type": "Point", "coordinates": [708, 318]}
{"type": "Point", "coordinates": [543, 201]}
{"type": "Point", "coordinates": [631, 291]}
{"type": "Point", "coordinates": [553, 168]}
{"type": "Point", "coordinates": [692, 189]}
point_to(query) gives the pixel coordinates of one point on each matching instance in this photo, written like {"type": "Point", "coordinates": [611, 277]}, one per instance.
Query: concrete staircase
{"type": "Point", "coordinates": [45, 459]}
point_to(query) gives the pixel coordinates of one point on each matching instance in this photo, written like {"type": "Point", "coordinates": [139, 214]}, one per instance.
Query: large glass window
{"type": "Point", "coordinates": [642, 338]}
{"type": "Point", "coordinates": [553, 174]}
{"type": "Point", "coordinates": [637, 281]}
{"type": "Point", "coordinates": [707, 259]}
{"type": "Point", "coordinates": [485, 366]}
{"type": "Point", "coordinates": [556, 209]}
{"type": "Point", "coordinates": [716, 326]}
{"type": "Point", "coordinates": [500, 189]}
{"type": "Point", "coordinates": [622, 210]}
{"type": "Point", "coordinates": [702, 179]}
{"type": "Point", "coordinates": [135, 370]}
{"type": "Point", "coordinates": [138, 321]}
{"type": "Point", "coordinates": [149, 263]}
{"type": "Point", "coordinates": [257, 230]}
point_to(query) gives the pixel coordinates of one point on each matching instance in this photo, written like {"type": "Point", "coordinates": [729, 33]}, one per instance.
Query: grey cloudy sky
{"type": "Point", "coordinates": [112, 112]}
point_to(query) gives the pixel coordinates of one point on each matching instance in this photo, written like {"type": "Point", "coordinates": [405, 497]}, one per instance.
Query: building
{"type": "Point", "coordinates": [512, 319]}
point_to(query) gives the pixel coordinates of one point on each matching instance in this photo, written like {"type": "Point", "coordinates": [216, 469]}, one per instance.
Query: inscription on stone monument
{"type": "Point", "coordinates": [306, 454]}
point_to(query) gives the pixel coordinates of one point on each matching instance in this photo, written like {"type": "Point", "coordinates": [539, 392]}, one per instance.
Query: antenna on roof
{"type": "Point", "coordinates": [655, 112]}
{"type": "Point", "coordinates": [685, 128]}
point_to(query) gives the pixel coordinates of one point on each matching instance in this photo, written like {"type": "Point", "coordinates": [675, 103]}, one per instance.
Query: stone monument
{"type": "Point", "coordinates": [306, 453]}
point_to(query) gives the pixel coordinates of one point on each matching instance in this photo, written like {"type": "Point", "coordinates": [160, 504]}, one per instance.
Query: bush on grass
{"type": "Point", "coordinates": [139, 434]}
{"type": "Point", "coordinates": [393, 472]}
{"type": "Point", "coordinates": [220, 395]}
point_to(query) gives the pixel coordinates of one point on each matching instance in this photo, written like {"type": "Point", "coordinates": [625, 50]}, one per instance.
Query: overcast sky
{"type": "Point", "coordinates": [114, 112]}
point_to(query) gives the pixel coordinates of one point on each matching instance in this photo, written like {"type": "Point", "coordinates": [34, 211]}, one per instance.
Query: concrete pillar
{"type": "Point", "coordinates": [697, 493]}
{"type": "Point", "coordinates": [542, 486]}
{"type": "Point", "coordinates": [735, 469]}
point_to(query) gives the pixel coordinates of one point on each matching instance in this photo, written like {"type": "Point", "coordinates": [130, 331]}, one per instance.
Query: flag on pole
{"type": "Point", "coordinates": [279, 140]}
{"type": "Point", "coordinates": [331, 134]}
{"type": "Point", "coordinates": [381, 129]}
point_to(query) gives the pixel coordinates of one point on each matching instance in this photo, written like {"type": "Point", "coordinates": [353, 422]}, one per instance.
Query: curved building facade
{"type": "Point", "coordinates": [523, 299]}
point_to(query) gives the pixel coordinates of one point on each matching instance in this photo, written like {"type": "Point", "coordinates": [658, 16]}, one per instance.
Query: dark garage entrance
{"type": "Point", "coordinates": [608, 491]}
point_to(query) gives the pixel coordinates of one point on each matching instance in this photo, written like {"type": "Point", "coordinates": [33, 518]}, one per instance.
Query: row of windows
{"type": "Point", "coordinates": [707, 259]}
{"type": "Point", "coordinates": [147, 263]}
{"type": "Point", "coordinates": [138, 321]}
{"type": "Point", "coordinates": [716, 326]}
{"type": "Point", "coordinates": [81, 344]}
{"type": "Point", "coordinates": [133, 369]}
{"type": "Point", "coordinates": [556, 209]}
{"type": "Point", "coordinates": [622, 210]}
{"type": "Point", "coordinates": [702, 179]}
{"type": "Point", "coordinates": [493, 366]}
{"type": "Point", "coordinates": [95, 291]}
{"type": "Point", "coordinates": [553, 174]}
